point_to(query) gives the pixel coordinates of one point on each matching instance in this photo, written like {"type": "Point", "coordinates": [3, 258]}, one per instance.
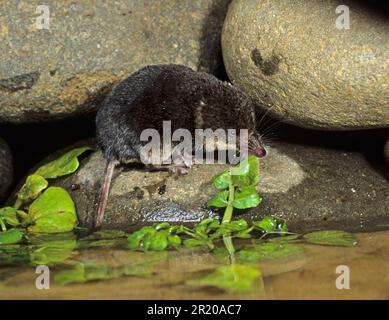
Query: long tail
{"type": "Point", "coordinates": [103, 197]}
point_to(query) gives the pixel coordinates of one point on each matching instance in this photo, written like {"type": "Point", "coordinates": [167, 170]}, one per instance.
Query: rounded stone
{"type": "Point", "coordinates": [292, 58]}
{"type": "Point", "coordinates": [60, 66]}
{"type": "Point", "coordinates": [6, 169]}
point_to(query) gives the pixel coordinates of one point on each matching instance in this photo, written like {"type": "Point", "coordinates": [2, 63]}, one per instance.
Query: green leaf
{"type": "Point", "coordinates": [243, 235]}
{"type": "Point", "coordinates": [247, 197]}
{"type": "Point", "coordinates": [162, 225]}
{"type": "Point", "coordinates": [196, 242]}
{"type": "Point", "coordinates": [241, 169]}
{"type": "Point", "coordinates": [158, 241]}
{"type": "Point", "coordinates": [222, 180]}
{"type": "Point", "coordinates": [253, 174]}
{"type": "Point", "coordinates": [8, 216]}
{"type": "Point", "coordinates": [331, 238]}
{"type": "Point", "coordinates": [11, 236]}
{"type": "Point", "coordinates": [247, 173]}
{"type": "Point", "coordinates": [271, 224]}
{"type": "Point", "coordinates": [205, 226]}
{"type": "Point", "coordinates": [267, 251]}
{"type": "Point", "coordinates": [220, 200]}
{"type": "Point", "coordinates": [52, 212]}
{"type": "Point", "coordinates": [135, 239]}
{"type": "Point", "coordinates": [174, 240]}
{"type": "Point", "coordinates": [31, 189]}
{"type": "Point", "coordinates": [226, 228]}
{"type": "Point", "coordinates": [66, 164]}
{"type": "Point", "coordinates": [286, 238]}
{"type": "Point", "coordinates": [235, 277]}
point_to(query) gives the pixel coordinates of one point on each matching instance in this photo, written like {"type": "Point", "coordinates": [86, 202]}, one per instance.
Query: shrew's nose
{"type": "Point", "coordinates": [260, 152]}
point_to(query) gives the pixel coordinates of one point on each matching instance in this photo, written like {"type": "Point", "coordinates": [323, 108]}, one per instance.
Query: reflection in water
{"type": "Point", "coordinates": [104, 268]}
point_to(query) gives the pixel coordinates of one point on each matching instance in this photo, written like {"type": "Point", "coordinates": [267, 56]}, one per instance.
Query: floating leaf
{"type": "Point", "coordinates": [31, 189]}
{"type": "Point", "coordinates": [286, 238]}
{"type": "Point", "coordinates": [247, 197]}
{"type": "Point", "coordinates": [235, 277]}
{"type": "Point", "coordinates": [222, 180]}
{"type": "Point", "coordinates": [52, 212]}
{"type": "Point", "coordinates": [331, 238]}
{"type": "Point", "coordinates": [220, 200]}
{"type": "Point", "coordinates": [8, 216]}
{"type": "Point", "coordinates": [267, 251]}
{"type": "Point", "coordinates": [11, 236]}
{"type": "Point", "coordinates": [66, 164]}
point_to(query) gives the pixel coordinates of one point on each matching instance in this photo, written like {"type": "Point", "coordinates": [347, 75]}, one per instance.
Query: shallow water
{"type": "Point", "coordinates": [310, 273]}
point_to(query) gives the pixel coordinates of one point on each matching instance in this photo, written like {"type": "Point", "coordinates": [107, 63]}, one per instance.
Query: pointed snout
{"type": "Point", "coordinates": [260, 152]}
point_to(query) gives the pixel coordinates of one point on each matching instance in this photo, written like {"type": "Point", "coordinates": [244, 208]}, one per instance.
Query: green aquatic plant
{"type": "Point", "coordinates": [8, 217]}
{"type": "Point", "coordinates": [237, 188]}
{"type": "Point", "coordinates": [331, 238]}
{"type": "Point", "coordinates": [11, 236]}
{"type": "Point", "coordinates": [35, 231]}
{"type": "Point", "coordinates": [41, 208]}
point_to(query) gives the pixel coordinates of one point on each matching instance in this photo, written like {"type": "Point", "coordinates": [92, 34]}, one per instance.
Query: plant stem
{"type": "Point", "coordinates": [227, 218]}
{"type": "Point", "coordinates": [3, 227]}
{"type": "Point", "coordinates": [230, 247]}
{"type": "Point", "coordinates": [18, 204]}
{"type": "Point", "coordinates": [22, 214]}
{"type": "Point", "coordinates": [228, 212]}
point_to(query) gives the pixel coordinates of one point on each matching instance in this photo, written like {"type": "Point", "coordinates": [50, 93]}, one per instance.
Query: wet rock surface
{"type": "Point", "coordinates": [313, 188]}
{"type": "Point", "coordinates": [65, 70]}
{"type": "Point", "coordinates": [6, 169]}
{"type": "Point", "coordinates": [296, 62]}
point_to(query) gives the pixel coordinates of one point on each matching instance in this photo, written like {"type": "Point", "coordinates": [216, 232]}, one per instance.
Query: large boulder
{"type": "Point", "coordinates": [292, 59]}
{"type": "Point", "coordinates": [6, 171]}
{"type": "Point", "coordinates": [312, 188]}
{"type": "Point", "coordinates": [90, 45]}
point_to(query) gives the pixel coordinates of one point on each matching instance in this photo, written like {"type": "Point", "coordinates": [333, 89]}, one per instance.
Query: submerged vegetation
{"type": "Point", "coordinates": [39, 229]}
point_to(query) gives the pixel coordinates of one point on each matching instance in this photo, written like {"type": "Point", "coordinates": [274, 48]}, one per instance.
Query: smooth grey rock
{"type": "Point", "coordinates": [90, 45]}
{"type": "Point", "coordinates": [6, 169]}
{"type": "Point", "coordinates": [312, 188]}
{"type": "Point", "coordinates": [290, 58]}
